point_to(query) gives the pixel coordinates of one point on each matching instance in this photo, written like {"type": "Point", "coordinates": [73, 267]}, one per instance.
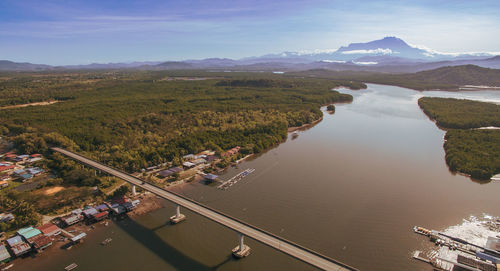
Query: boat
{"type": "Point", "coordinates": [71, 267]}
{"type": "Point", "coordinates": [7, 267]}
{"type": "Point", "coordinates": [107, 241]}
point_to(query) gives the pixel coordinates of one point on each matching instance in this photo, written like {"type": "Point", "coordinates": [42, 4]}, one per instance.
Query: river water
{"type": "Point", "coordinates": [352, 187]}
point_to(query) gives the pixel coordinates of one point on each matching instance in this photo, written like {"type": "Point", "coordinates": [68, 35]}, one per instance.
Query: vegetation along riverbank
{"type": "Point", "coordinates": [468, 150]}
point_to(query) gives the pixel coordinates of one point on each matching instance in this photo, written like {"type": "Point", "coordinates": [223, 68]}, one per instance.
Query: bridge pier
{"type": "Point", "coordinates": [134, 193]}
{"type": "Point", "coordinates": [178, 217]}
{"type": "Point", "coordinates": [241, 250]}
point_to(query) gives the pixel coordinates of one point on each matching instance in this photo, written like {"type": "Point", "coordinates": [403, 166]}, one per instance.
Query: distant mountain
{"type": "Point", "coordinates": [99, 66]}
{"type": "Point", "coordinates": [6, 65]}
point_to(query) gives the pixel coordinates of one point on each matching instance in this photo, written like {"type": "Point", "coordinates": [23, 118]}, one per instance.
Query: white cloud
{"type": "Point", "coordinates": [333, 61]}
{"type": "Point", "coordinates": [365, 63]}
{"type": "Point", "coordinates": [432, 53]}
{"type": "Point", "coordinates": [385, 51]}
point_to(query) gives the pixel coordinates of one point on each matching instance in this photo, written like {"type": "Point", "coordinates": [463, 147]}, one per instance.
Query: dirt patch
{"type": "Point", "coordinates": [30, 104]}
{"type": "Point", "coordinates": [53, 190]}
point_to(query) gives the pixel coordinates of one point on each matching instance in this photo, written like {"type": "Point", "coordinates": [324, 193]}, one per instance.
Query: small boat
{"type": "Point", "coordinates": [107, 241]}
{"type": "Point", "coordinates": [71, 267]}
{"type": "Point", "coordinates": [7, 267]}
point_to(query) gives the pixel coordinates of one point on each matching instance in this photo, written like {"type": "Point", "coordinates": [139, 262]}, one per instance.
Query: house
{"type": "Point", "coordinates": [36, 159]}
{"type": "Point", "coordinates": [71, 219]}
{"type": "Point", "coordinates": [77, 212]}
{"type": "Point", "coordinates": [5, 177]}
{"type": "Point", "coordinates": [78, 238]}
{"type": "Point", "coordinates": [189, 157]}
{"type": "Point", "coordinates": [21, 158]}
{"type": "Point", "coordinates": [211, 158]}
{"type": "Point", "coordinates": [102, 207]}
{"type": "Point", "coordinates": [176, 169]}
{"type": "Point", "coordinates": [89, 212]}
{"type": "Point", "coordinates": [25, 177]}
{"type": "Point", "coordinates": [4, 254]}
{"type": "Point", "coordinates": [118, 209]}
{"type": "Point", "coordinates": [211, 177]}
{"type": "Point", "coordinates": [231, 152]}
{"type": "Point", "coordinates": [18, 246]}
{"type": "Point", "coordinates": [6, 168]}
{"type": "Point", "coordinates": [129, 206]}
{"type": "Point", "coordinates": [10, 156]}
{"type": "Point", "coordinates": [4, 184]}
{"type": "Point", "coordinates": [34, 171]}
{"type": "Point", "coordinates": [6, 217]}
{"type": "Point", "coordinates": [49, 229]}
{"type": "Point", "coordinates": [36, 155]}
{"type": "Point", "coordinates": [100, 216]}
{"type": "Point", "coordinates": [188, 164]}
{"type": "Point", "coordinates": [40, 242]}
{"type": "Point", "coordinates": [165, 173]}
{"type": "Point", "coordinates": [199, 161]}
{"type": "Point", "coordinates": [28, 232]}
{"type": "Point", "coordinates": [18, 172]}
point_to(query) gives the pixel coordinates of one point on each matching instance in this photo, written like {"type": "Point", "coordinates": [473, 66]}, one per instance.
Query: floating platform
{"type": "Point", "coordinates": [241, 253]}
{"type": "Point", "coordinates": [177, 219]}
{"type": "Point", "coordinates": [71, 267]}
{"type": "Point", "coordinates": [225, 185]}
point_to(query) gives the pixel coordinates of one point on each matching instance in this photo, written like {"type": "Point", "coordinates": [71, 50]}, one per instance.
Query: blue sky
{"type": "Point", "coordinates": [81, 32]}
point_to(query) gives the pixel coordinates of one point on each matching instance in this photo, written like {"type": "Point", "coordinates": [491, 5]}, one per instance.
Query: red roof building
{"type": "Point", "coordinates": [5, 168]}
{"type": "Point", "coordinates": [49, 229]}
{"type": "Point", "coordinates": [100, 216]}
{"type": "Point", "coordinates": [40, 242]}
{"type": "Point", "coordinates": [36, 155]}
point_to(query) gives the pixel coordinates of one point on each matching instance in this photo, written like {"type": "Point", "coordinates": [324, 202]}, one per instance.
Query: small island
{"type": "Point", "coordinates": [472, 145]}
{"type": "Point", "coordinates": [330, 108]}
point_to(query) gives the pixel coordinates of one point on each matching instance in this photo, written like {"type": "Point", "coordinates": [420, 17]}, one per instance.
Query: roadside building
{"type": "Point", "coordinates": [49, 229]}
{"type": "Point", "coordinates": [199, 161]}
{"type": "Point", "coordinates": [188, 164]}
{"type": "Point", "coordinates": [4, 184]}
{"type": "Point", "coordinates": [176, 169]}
{"type": "Point", "coordinates": [6, 217]}
{"type": "Point", "coordinates": [165, 173]}
{"type": "Point", "coordinates": [211, 177]}
{"type": "Point", "coordinates": [4, 254]}
{"type": "Point", "coordinates": [77, 212]}
{"type": "Point", "coordinates": [18, 246]}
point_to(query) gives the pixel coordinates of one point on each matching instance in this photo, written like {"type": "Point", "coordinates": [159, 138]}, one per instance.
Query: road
{"type": "Point", "coordinates": [281, 244]}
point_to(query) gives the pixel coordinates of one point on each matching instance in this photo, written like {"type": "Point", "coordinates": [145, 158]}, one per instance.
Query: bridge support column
{"type": "Point", "coordinates": [133, 190]}
{"type": "Point", "coordinates": [241, 250]}
{"type": "Point", "coordinates": [178, 217]}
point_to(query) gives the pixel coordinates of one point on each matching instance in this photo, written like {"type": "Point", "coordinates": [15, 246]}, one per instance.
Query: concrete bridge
{"type": "Point", "coordinates": [242, 228]}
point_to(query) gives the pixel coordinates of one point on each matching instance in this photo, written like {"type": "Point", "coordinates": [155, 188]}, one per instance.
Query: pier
{"type": "Point", "coordinates": [225, 185]}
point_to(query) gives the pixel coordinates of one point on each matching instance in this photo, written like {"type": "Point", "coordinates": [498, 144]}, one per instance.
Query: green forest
{"type": "Point", "coordinates": [468, 150]}
{"type": "Point", "coordinates": [132, 120]}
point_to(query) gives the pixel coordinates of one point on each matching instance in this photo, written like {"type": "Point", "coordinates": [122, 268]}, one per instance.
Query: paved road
{"type": "Point", "coordinates": [246, 229]}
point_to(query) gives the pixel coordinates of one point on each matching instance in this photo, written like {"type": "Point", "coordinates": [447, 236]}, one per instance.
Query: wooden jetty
{"type": "Point", "coordinates": [225, 185]}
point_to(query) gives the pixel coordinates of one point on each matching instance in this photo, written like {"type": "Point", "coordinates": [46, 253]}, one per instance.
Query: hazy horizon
{"type": "Point", "coordinates": [84, 32]}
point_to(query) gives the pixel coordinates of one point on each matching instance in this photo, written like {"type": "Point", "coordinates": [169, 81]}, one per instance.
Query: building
{"type": "Point", "coordinates": [129, 206]}
{"type": "Point", "coordinates": [34, 171]}
{"type": "Point", "coordinates": [89, 212]}
{"type": "Point", "coordinates": [78, 238]}
{"type": "Point", "coordinates": [100, 216]}
{"type": "Point", "coordinates": [102, 207]}
{"type": "Point", "coordinates": [189, 157]}
{"type": "Point", "coordinates": [188, 164]}
{"type": "Point", "coordinates": [40, 242]}
{"type": "Point", "coordinates": [19, 172]}
{"type": "Point", "coordinates": [25, 177]}
{"type": "Point", "coordinates": [4, 254]}
{"type": "Point", "coordinates": [211, 177]}
{"type": "Point", "coordinates": [28, 232]}
{"type": "Point", "coordinates": [199, 161]}
{"type": "Point", "coordinates": [21, 158]}
{"type": "Point", "coordinates": [231, 152]}
{"type": "Point", "coordinates": [18, 246]}
{"type": "Point", "coordinates": [5, 177]}
{"type": "Point", "coordinates": [176, 169]}
{"type": "Point", "coordinates": [49, 229]}
{"type": "Point", "coordinates": [8, 217]}
{"type": "Point", "coordinates": [211, 158]}
{"type": "Point", "coordinates": [4, 184]}
{"type": "Point", "coordinates": [71, 219]}
{"type": "Point", "coordinates": [6, 168]}
{"type": "Point", "coordinates": [165, 173]}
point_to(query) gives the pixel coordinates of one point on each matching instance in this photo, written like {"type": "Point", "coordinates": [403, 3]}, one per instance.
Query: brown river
{"type": "Point", "coordinates": [351, 187]}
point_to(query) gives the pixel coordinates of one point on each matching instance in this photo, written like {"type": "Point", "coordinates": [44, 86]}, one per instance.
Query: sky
{"type": "Point", "coordinates": [67, 32]}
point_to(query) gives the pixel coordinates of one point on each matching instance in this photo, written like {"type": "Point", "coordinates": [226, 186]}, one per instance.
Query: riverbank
{"type": "Point", "coordinates": [305, 126]}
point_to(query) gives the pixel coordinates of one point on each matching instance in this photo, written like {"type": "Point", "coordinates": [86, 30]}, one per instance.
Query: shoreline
{"type": "Point", "coordinates": [305, 126]}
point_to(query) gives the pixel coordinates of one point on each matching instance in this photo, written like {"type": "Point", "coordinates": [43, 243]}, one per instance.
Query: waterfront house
{"type": "Point", "coordinates": [129, 206]}
{"type": "Point", "coordinates": [102, 207]}
{"type": "Point", "coordinates": [40, 242]}
{"type": "Point", "coordinates": [18, 246]}
{"type": "Point", "coordinates": [49, 229]}
{"type": "Point", "coordinates": [89, 212]}
{"type": "Point", "coordinates": [71, 219]}
{"type": "Point", "coordinates": [100, 216]}
{"type": "Point", "coordinates": [78, 238]}
{"type": "Point", "coordinates": [211, 177]}
{"type": "Point", "coordinates": [28, 232]}
{"type": "Point", "coordinates": [4, 254]}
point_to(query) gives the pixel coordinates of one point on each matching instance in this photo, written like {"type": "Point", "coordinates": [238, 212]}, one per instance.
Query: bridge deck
{"type": "Point", "coordinates": [292, 249]}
